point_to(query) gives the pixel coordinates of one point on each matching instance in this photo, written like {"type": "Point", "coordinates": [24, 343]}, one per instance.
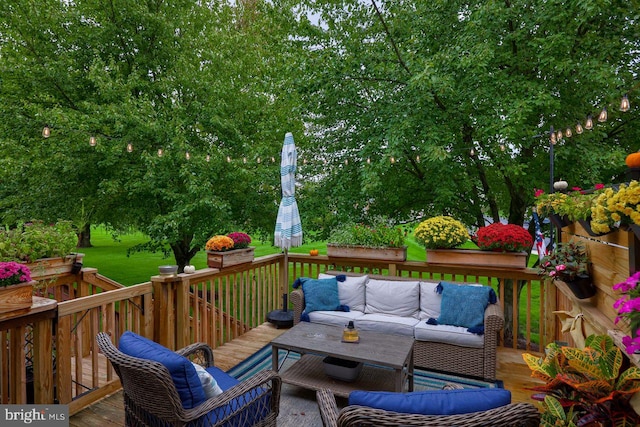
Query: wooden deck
{"type": "Point", "coordinates": [109, 411]}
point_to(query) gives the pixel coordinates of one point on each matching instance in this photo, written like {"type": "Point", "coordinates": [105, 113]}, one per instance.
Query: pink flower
{"type": "Point", "coordinates": [599, 186]}
{"type": "Point", "coordinates": [538, 192]}
{"type": "Point", "coordinates": [576, 188]}
{"type": "Point", "coordinates": [632, 344]}
{"type": "Point", "coordinates": [552, 273]}
{"type": "Point", "coordinates": [561, 267]}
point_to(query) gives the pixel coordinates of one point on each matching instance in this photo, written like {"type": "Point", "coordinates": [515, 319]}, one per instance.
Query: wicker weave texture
{"type": "Point", "coordinates": [515, 414]}
{"type": "Point", "coordinates": [473, 362]}
{"type": "Point", "coordinates": [151, 399]}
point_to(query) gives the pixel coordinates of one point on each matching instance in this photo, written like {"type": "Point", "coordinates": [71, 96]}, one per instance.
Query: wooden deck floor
{"type": "Point", "coordinates": [109, 411]}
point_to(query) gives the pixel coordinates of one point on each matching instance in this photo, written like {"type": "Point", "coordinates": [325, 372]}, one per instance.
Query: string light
{"type": "Point", "coordinates": [552, 136]}
{"type": "Point", "coordinates": [579, 129]}
{"type": "Point", "coordinates": [46, 132]}
{"type": "Point", "coordinates": [160, 152]}
{"type": "Point", "coordinates": [244, 160]}
{"type": "Point", "coordinates": [129, 147]}
{"type": "Point", "coordinates": [624, 104]}
{"type": "Point", "coordinates": [568, 133]}
{"type": "Point", "coordinates": [187, 155]}
{"type": "Point", "coordinates": [559, 136]}
{"type": "Point", "coordinates": [602, 117]}
{"type": "Point", "coordinates": [92, 141]}
{"type": "Point", "coordinates": [208, 158]}
{"type": "Point", "coordinates": [393, 159]}
{"type": "Point", "coordinates": [273, 159]}
{"type": "Point", "coordinates": [228, 159]}
{"type": "Point", "coordinates": [368, 160]}
{"type": "Point", "coordinates": [472, 152]}
{"type": "Point", "coordinates": [258, 160]}
{"type": "Point", "coordinates": [589, 123]}
{"type": "Point", "coordinates": [502, 147]}
{"type": "Point", "coordinates": [418, 158]}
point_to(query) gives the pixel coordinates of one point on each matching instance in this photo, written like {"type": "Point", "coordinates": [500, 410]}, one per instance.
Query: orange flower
{"type": "Point", "coordinates": [219, 243]}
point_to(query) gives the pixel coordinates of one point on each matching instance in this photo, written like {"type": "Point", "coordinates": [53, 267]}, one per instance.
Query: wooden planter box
{"type": "Point", "coordinates": [45, 268]}
{"type": "Point", "coordinates": [364, 252]}
{"type": "Point", "coordinates": [229, 258]}
{"type": "Point", "coordinates": [16, 297]}
{"type": "Point", "coordinates": [476, 257]}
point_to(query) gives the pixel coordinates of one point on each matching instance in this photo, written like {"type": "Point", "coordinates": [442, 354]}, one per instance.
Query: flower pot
{"type": "Point", "coordinates": [365, 252]}
{"type": "Point", "coordinates": [586, 224]}
{"type": "Point", "coordinates": [559, 221]}
{"type": "Point", "coordinates": [230, 258]}
{"type": "Point", "coordinates": [16, 297]}
{"type": "Point", "coordinates": [476, 257]}
{"type": "Point", "coordinates": [45, 268]}
{"type": "Point", "coordinates": [582, 286]}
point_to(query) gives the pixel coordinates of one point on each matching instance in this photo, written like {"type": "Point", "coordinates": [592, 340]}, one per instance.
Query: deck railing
{"type": "Point", "coordinates": [216, 306]}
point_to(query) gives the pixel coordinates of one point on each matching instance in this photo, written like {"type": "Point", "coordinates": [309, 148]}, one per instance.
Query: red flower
{"type": "Point", "coordinates": [504, 237]}
{"type": "Point", "coordinates": [538, 192]}
{"type": "Point", "coordinates": [599, 186]}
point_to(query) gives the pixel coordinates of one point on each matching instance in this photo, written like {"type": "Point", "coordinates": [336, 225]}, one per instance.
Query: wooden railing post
{"type": "Point", "coordinates": [165, 290]}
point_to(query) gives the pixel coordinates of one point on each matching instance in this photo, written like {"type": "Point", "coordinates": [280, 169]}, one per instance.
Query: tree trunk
{"type": "Point", "coordinates": [84, 237]}
{"type": "Point", "coordinates": [182, 252]}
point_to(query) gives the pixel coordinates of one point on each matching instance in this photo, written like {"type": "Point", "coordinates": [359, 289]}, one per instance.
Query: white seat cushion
{"type": "Point", "coordinates": [398, 298]}
{"type": "Point", "coordinates": [334, 318]}
{"type": "Point", "coordinates": [447, 334]}
{"type": "Point", "coordinates": [430, 301]}
{"type": "Point", "coordinates": [386, 324]}
{"type": "Point", "coordinates": [351, 291]}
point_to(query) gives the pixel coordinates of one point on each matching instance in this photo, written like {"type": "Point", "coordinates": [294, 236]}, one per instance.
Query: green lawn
{"type": "Point", "coordinates": [110, 256]}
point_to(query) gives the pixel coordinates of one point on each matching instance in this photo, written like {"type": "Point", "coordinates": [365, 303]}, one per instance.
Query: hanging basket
{"type": "Point", "coordinates": [226, 259]}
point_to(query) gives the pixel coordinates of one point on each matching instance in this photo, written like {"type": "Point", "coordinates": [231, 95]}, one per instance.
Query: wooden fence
{"type": "Point", "coordinates": [216, 306]}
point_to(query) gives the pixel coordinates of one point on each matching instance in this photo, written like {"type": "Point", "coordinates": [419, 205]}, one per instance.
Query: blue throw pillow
{"type": "Point", "coordinates": [321, 294]}
{"type": "Point", "coordinates": [464, 305]}
{"type": "Point", "coordinates": [182, 372]}
{"type": "Point", "coordinates": [434, 402]}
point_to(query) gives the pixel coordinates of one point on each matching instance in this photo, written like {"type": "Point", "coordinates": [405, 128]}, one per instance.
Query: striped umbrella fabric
{"type": "Point", "coordinates": [288, 226]}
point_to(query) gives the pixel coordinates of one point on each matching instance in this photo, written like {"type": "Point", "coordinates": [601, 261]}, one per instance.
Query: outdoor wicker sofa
{"type": "Point", "coordinates": [437, 348]}
{"type": "Point", "coordinates": [151, 398]}
{"type": "Point", "coordinates": [514, 414]}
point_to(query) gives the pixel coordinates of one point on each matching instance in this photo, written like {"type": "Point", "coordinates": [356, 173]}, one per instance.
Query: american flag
{"type": "Point", "coordinates": [541, 246]}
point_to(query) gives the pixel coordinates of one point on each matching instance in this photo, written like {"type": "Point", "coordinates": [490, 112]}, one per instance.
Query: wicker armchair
{"type": "Point", "coordinates": [515, 414]}
{"type": "Point", "coordinates": [151, 399]}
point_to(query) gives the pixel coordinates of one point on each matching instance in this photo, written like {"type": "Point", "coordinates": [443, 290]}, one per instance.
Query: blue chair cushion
{"type": "Point", "coordinates": [434, 402]}
{"type": "Point", "coordinates": [464, 305]}
{"type": "Point", "coordinates": [182, 372]}
{"type": "Point", "coordinates": [250, 415]}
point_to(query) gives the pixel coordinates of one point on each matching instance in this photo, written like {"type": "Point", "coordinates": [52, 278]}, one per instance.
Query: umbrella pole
{"type": "Point", "coordinates": [282, 318]}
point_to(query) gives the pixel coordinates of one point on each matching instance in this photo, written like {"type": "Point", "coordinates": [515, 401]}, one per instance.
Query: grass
{"type": "Point", "coordinates": [110, 256]}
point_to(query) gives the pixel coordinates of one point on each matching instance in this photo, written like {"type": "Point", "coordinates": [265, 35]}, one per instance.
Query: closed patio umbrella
{"type": "Point", "coordinates": [288, 232]}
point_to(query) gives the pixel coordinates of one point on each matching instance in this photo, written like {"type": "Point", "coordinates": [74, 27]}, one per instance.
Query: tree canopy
{"type": "Point", "coordinates": [404, 109]}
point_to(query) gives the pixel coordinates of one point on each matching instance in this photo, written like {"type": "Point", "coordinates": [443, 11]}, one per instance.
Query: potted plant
{"type": "Point", "coordinates": [628, 307]}
{"type": "Point", "coordinates": [441, 232]}
{"type": "Point", "coordinates": [569, 262]}
{"type": "Point", "coordinates": [585, 387]}
{"type": "Point", "coordinates": [226, 251]}
{"type": "Point", "coordinates": [380, 240]}
{"type": "Point", "coordinates": [16, 286]}
{"type": "Point", "coordinates": [616, 207]}
{"type": "Point", "coordinates": [563, 208]}
{"type": "Point", "coordinates": [46, 248]}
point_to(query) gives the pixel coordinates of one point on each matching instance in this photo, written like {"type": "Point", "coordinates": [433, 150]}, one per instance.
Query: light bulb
{"type": "Point", "coordinates": [187, 155]}
{"type": "Point", "coordinates": [92, 141]}
{"type": "Point", "coordinates": [602, 117]}
{"type": "Point", "coordinates": [559, 136]}
{"type": "Point", "coordinates": [228, 159]}
{"type": "Point", "coordinates": [393, 159]}
{"type": "Point", "coordinates": [208, 158]}
{"type": "Point", "coordinates": [273, 159]}
{"type": "Point", "coordinates": [160, 152]}
{"type": "Point", "coordinates": [579, 129]}
{"type": "Point", "coordinates": [244, 160]}
{"type": "Point", "coordinates": [552, 136]}
{"type": "Point", "coordinates": [568, 133]}
{"type": "Point", "coordinates": [502, 147]}
{"type": "Point", "coordinates": [368, 160]}
{"type": "Point", "coordinates": [624, 104]}
{"type": "Point", "coordinates": [418, 158]}
{"type": "Point", "coordinates": [472, 152]}
{"type": "Point", "coordinates": [346, 161]}
{"type": "Point", "coordinates": [258, 160]}
{"type": "Point", "coordinates": [589, 123]}
{"type": "Point", "coordinates": [46, 132]}
{"type": "Point", "coordinates": [129, 147]}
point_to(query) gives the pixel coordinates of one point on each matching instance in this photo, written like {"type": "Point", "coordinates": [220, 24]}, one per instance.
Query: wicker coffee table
{"type": "Point", "coordinates": [388, 359]}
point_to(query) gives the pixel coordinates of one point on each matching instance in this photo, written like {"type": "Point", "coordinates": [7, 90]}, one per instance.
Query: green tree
{"type": "Point", "coordinates": [200, 82]}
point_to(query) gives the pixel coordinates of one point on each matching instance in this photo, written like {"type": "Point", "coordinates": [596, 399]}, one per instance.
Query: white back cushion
{"type": "Point", "coordinates": [351, 291]}
{"type": "Point", "coordinates": [430, 300]}
{"type": "Point", "coordinates": [399, 298]}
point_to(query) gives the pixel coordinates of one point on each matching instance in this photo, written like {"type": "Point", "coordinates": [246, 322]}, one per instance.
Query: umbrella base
{"type": "Point", "coordinates": [280, 318]}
